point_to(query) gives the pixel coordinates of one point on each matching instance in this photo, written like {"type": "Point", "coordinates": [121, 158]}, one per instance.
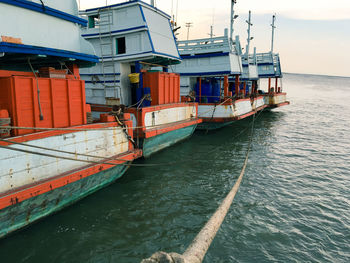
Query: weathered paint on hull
{"type": "Point", "coordinates": [24, 213]}
{"type": "Point", "coordinates": [213, 125]}
{"type": "Point", "coordinates": [156, 143]}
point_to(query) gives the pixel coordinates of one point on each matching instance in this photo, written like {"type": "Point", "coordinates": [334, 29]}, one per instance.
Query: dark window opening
{"type": "Point", "coordinates": [121, 48]}
{"type": "Point", "coordinates": [93, 20]}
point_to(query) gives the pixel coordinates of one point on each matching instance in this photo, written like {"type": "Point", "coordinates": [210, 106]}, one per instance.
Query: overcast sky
{"type": "Point", "coordinates": [312, 36]}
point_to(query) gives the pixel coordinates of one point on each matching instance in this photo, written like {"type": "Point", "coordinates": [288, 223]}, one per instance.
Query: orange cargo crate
{"type": "Point", "coordinates": [62, 102]}
{"type": "Point", "coordinates": [165, 87]}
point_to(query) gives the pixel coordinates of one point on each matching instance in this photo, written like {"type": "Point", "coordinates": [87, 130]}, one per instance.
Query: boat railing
{"type": "Point", "coordinates": [204, 45]}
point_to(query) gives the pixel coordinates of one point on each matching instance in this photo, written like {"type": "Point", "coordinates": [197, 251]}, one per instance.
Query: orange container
{"type": "Point", "coordinates": [62, 102]}
{"type": "Point", "coordinates": [165, 87]}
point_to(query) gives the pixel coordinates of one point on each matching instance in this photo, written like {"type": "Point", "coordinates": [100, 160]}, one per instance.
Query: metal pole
{"type": "Point", "coordinates": [273, 31]}
{"type": "Point", "coordinates": [232, 19]}
{"type": "Point", "coordinates": [249, 38]}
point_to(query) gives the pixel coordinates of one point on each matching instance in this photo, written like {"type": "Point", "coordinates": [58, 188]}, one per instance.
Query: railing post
{"type": "Point", "coordinates": [237, 85]}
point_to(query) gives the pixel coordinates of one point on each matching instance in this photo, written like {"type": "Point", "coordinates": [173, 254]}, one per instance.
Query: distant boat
{"type": "Point", "coordinates": [223, 79]}
{"type": "Point", "coordinates": [269, 66]}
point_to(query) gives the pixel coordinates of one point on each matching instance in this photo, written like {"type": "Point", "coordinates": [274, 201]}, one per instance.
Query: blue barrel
{"type": "Point", "coordinates": [248, 88]}
{"type": "Point", "coordinates": [207, 91]}
{"type": "Point", "coordinates": [196, 89]}
{"type": "Point", "coordinates": [216, 91]}
{"type": "Point", "coordinates": [146, 91]}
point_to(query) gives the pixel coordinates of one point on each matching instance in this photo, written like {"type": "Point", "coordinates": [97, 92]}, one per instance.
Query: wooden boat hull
{"type": "Point", "coordinates": [219, 116]}
{"type": "Point", "coordinates": [157, 143]}
{"type": "Point", "coordinates": [22, 214]}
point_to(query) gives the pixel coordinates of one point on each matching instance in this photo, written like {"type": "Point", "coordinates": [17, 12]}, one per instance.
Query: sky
{"type": "Point", "coordinates": [312, 36]}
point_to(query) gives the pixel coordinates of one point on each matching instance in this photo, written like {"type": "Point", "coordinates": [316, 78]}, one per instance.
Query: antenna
{"type": "Point", "coordinates": [249, 37]}
{"type": "Point", "coordinates": [172, 10]}
{"type": "Point", "coordinates": [177, 9]}
{"type": "Point", "coordinates": [273, 31]}
{"type": "Point", "coordinates": [188, 25]}
{"type": "Point", "coordinates": [211, 34]}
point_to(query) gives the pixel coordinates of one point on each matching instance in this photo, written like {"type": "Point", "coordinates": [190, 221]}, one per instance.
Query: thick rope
{"type": "Point", "coordinates": [89, 129]}
{"type": "Point", "coordinates": [195, 253]}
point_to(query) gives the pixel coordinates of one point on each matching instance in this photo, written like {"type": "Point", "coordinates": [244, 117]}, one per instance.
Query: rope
{"type": "Point", "coordinates": [5, 121]}
{"type": "Point", "coordinates": [102, 157]}
{"type": "Point", "coordinates": [41, 116]}
{"type": "Point", "coordinates": [86, 161]}
{"type": "Point", "coordinates": [50, 149]}
{"type": "Point", "coordinates": [196, 251]}
{"type": "Point", "coordinates": [81, 129]}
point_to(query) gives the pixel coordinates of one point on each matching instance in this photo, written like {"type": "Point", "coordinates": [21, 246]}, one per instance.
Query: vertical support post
{"type": "Point", "coordinates": [75, 70]}
{"type": "Point", "coordinates": [200, 89]}
{"type": "Point", "coordinates": [244, 88]}
{"type": "Point", "coordinates": [253, 87]}
{"type": "Point", "coordinates": [269, 86]}
{"type": "Point", "coordinates": [237, 85]}
{"type": "Point", "coordinates": [276, 88]}
{"type": "Point", "coordinates": [226, 86]}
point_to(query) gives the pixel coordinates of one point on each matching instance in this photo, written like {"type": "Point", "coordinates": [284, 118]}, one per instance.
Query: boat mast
{"type": "Point", "coordinates": [273, 31]}
{"type": "Point", "coordinates": [249, 38]}
{"type": "Point", "coordinates": [232, 19]}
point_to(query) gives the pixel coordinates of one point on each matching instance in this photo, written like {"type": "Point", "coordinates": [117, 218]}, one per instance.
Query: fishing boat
{"type": "Point", "coordinates": [217, 75]}
{"type": "Point", "coordinates": [137, 50]}
{"type": "Point", "coordinates": [51, 153]}
{"type": "Point", "coordinates": [269, 67]}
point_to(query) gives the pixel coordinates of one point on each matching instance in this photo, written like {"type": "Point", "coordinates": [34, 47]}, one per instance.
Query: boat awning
{"type": "Point", "coordinates": [15, 56]}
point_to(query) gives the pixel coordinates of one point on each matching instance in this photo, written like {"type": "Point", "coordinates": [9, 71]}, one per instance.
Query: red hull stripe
{"type": "Point", "coordinates": [27, 192]}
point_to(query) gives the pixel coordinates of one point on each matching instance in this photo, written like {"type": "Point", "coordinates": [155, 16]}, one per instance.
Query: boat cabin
{"type": "Point", "coordinates": [128, 37]}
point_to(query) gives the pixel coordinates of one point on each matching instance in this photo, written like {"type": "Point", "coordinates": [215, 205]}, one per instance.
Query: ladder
{"type": "Point", "coordinates": [107, 53]}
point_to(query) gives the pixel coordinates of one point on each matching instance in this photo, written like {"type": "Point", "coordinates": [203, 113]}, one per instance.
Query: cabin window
{"type": "Point", "coordinates": [93, 20]}
{"type": "Point", "coordinates": [120, 45]}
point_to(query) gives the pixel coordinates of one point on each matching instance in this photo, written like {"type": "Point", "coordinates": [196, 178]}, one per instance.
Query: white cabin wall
{"type": "Point", "coordinates": [236, 63]}
{"type": "Point", "coordinates": [125, 70]}
{"type": "Point", "coordinates": [49, 31]}
{"type": "Point", "coordinates": [206, 64]}
{"type": "Point", "coordinates": [185, 86]}
{"type": "Point", "coordinates": [161, 33]}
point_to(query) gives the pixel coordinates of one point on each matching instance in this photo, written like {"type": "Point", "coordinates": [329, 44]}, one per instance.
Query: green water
{"type": "Point", "coordinates": [293, 204]}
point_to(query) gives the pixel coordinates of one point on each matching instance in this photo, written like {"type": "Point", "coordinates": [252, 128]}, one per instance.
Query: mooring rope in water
{"type": "Point", "coordinates": [195, 253]}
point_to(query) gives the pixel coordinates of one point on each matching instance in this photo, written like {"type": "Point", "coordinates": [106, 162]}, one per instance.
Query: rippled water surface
{"type": "Point", "coordinates": [293, 204]}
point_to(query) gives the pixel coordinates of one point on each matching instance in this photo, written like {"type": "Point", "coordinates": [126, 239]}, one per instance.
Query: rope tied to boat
{"type": "Point", "coordinates": [4, 126]}
{"type": "Point", "coordinates": [196, 251]}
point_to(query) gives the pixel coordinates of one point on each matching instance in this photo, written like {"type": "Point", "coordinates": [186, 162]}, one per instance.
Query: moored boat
{"type": "Point", "coordinates": [137, 48]}
{"type": "Point", "coordinates": [51, 154]}
{"type": "Point", "coordinates": [269, 67]}
{"type": "Point", "coordinates": [220, 77]}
